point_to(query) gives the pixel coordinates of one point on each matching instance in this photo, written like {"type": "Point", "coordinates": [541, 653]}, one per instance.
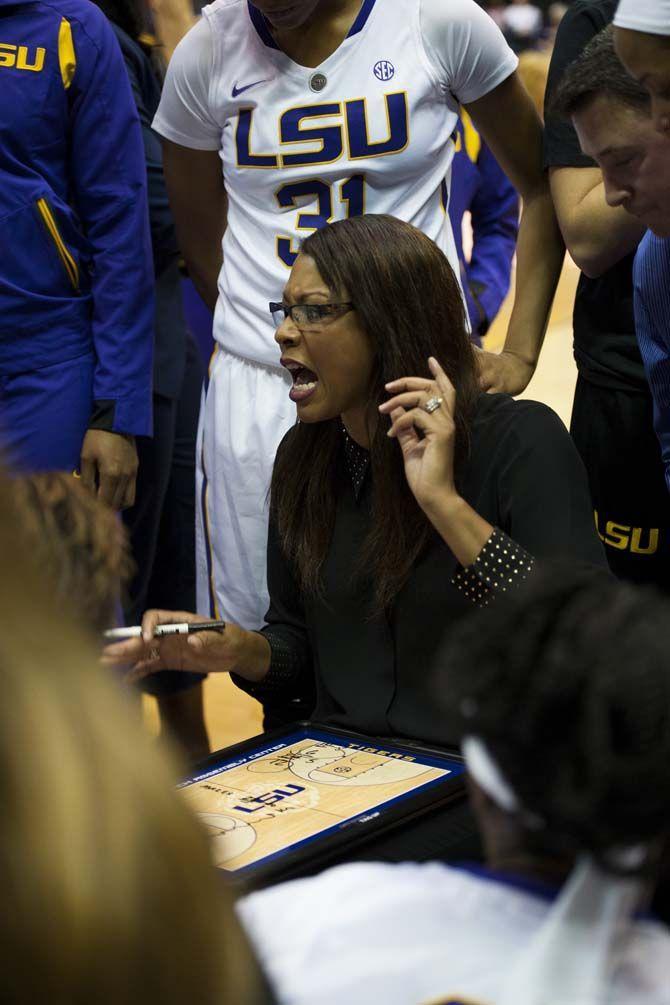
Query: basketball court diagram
{"type": "Point", "coordinates": [285, 794]}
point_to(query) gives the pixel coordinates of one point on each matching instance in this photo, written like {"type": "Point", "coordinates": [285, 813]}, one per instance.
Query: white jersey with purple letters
{"type": "Point", "coordinates": [368, 130]}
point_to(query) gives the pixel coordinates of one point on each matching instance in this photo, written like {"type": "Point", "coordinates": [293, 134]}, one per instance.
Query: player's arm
{"type": "Point", "coordinates": [172, 19]}
{"type": "Point", "coordinates": [510, 125]}
{"type": "Point", "coordinates": [191, 133]}
{"type": "Point", "coordinates": [596, 235]}
{"type": "Point", "coordinates": [199, 205]}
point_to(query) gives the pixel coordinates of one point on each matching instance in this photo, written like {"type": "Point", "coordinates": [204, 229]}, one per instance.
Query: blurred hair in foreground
{"type": "Point", "coordinates": [108, 892]}
{"type": "Point", "coordinates": [77, 543]}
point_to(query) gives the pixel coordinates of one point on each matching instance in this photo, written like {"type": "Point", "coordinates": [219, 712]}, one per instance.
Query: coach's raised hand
{"type": "Point", "coordinates": [422, 421]}
{"type": "Point", "coordinates": [246, 653]}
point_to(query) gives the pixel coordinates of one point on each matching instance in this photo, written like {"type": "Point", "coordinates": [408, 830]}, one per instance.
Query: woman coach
{"type": "Point", "coordinates": [396, 501]}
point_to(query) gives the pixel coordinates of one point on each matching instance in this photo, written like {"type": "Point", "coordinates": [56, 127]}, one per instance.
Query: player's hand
{"type": "Point", "coordinates": [204, 652]}
{"type": "Point", "coordinates": [108, 467]}
{"type": "Point", "coordinates": [426, 439]}
{"type": "Point", "coordinates": [503, 372]}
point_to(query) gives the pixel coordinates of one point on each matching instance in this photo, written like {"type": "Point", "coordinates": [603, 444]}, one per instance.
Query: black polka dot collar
{"type": "Point", "coordinates": [358, 462]}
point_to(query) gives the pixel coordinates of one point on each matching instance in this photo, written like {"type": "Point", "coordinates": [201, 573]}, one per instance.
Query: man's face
{"type": "Point", "coordinates": [647, 58]}
{"type": "Point", "coordinates": [633, 156]}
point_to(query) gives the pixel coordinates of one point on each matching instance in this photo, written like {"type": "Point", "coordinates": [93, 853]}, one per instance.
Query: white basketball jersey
{"type": "Point", "coordinates": [425, 934]}
{"type": "Point", "coordinates": [367, 131]}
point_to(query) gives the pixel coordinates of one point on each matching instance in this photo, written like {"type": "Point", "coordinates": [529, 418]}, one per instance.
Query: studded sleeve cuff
{"type": "Point", "coordinates": [501, 565]}
{"type": "Point", "coordinates": [283, 675]}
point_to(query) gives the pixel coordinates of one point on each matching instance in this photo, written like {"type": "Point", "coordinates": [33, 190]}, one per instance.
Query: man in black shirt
{"type": "Point", "coordinates": [612, 413]}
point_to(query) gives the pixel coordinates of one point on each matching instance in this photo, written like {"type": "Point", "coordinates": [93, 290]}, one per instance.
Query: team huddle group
{"type": "Point", "coordinates": [396, 544]}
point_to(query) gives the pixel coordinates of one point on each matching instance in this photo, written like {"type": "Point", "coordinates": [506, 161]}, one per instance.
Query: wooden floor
{"type": "Point", "coordinates": [233, 716]}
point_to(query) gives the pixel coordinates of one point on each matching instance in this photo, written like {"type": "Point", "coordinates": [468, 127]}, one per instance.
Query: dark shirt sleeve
{"type": "Point", "coordinates": [544, 500]}
{"type": "Point", "coordinates": [502, 566]}
{"type": "Point", "coordinates": [109, 188]}
{"type": "Point", "coordinates": [579, 25]}
{"type": "Point", "coordinates": [291, 672]}
{"type": "Point", "coordinates": [544, 508]}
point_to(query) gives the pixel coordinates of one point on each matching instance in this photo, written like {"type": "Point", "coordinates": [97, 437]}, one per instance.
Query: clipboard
{"type": "Point", "coordinates": [290, 800]}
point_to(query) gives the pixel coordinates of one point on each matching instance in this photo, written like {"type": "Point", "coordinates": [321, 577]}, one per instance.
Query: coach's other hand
{"type": "Point", "coordinates": [234, 648]}
{"type": "Point", "coordinates": [503, 371]}
{"type": "Point", "coordinates": [108, 467]}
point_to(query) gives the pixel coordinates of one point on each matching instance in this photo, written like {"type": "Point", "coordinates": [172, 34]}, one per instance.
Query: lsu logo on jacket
{"type": "Point", "coordinates": [21, 57]}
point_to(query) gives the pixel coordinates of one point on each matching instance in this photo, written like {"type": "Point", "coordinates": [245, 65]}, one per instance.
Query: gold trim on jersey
{"type": "Point", "coordinates": [473, 141]}
{"type": "Point", "coordinates": [66, 258]}
{"type": "Point", "coordinates": [67, 59]}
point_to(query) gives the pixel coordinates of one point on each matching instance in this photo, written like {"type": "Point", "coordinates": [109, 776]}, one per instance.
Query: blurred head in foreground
{"type": "Point", "coordinates": [568, 689]}
{"type": "Point", "coordinates": [563, 700]}
{"type": "Point", "coordinates": [108, 892]}
{"type": "Point", "coordinates": [77, 543]}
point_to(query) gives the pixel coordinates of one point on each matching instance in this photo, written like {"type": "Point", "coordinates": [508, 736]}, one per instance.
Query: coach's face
{"type": "Point", "coordinates": [287, 14]}
{"type": "Point", "coordinates": [330, 361]}
{"type": "Point", "coordinates": [647, 58]}
{"type": "Point", "coordinates": [633, 156]}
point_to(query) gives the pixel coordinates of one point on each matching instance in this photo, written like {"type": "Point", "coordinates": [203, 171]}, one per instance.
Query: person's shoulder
{"type": "Point", "coordinates": [503, 427]}
{"type": "Point", "coordinates": [651, 267]}
{"type": "Point", "coordinates": [83, 13]}
{"type": "Point", "coordinates": [580, 23]}
{"type": "Point", "coordinates": [653, 248]}
{"type": "Point", "coordinates": [223, 13]}
{"type": "Point", "coordinates": [360, 883]}
{"type": "Point", "coordinates": [447, 23]}
{"type": "Point", "coordinates": [598, 13]}
{"type": "Point", "coordinates": [454, 11]}
{"type": "Point", "coordinates": [132, 51]}
{"type": "Point", "coordinates": [195, 51]}
{"type": "Point", "coordinates": [499, 413]}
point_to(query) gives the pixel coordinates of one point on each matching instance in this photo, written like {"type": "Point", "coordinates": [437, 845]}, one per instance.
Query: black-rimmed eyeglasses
{"type": "Point", "coordinates": [307, 315]}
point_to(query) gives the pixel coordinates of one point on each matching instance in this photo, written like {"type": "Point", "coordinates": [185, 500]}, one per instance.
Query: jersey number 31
{"type": "Point", "coordinates": [350, 192]}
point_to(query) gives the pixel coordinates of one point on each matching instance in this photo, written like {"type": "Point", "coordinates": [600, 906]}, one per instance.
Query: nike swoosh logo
{"type": "Point", "coordinates": [240, 90]}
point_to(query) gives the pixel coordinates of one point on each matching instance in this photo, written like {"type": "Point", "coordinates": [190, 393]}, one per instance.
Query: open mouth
{"type": "Point", "coordinates": [304, 381]}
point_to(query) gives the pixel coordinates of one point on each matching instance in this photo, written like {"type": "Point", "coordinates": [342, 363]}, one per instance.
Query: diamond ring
{"type": "Point", "coordinates": [432, 405]}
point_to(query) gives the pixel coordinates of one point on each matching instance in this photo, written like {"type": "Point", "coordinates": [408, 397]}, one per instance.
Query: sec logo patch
{"type": "Point", "coordinates": [383, 70]}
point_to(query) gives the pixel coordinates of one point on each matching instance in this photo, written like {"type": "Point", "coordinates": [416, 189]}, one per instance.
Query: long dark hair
{"type": "Point", "coordinates": [410, 306]}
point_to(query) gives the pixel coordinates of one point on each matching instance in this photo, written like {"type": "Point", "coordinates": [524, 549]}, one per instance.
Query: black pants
{"type": "Point", "coordinates": [162, 521]}
{"type": "Point", "coordinates": [613, 431]}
